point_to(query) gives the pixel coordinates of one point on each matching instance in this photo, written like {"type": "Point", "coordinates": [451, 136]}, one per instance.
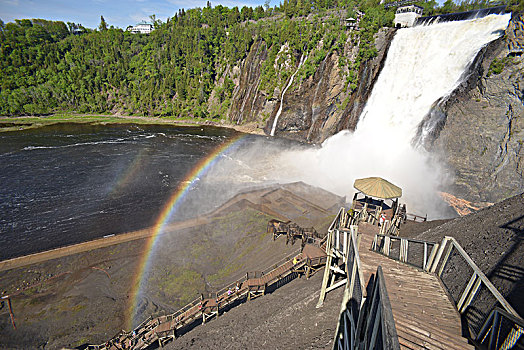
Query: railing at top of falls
{"type": "Point", "coordinates": [460, 16]}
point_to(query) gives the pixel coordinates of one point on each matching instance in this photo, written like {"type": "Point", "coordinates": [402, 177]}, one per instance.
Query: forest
{"type": "Point", "coordinates": [184, 68]}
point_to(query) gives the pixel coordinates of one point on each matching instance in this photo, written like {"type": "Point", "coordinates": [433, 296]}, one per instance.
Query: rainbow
{"type": "Point", "coordinates": [167, 212]}
{"type": "Point", "coordinates": [130, 174]}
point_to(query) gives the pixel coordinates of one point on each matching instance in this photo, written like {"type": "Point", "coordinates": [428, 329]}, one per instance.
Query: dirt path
{"type": "Point", "coordinates": [106, 241]}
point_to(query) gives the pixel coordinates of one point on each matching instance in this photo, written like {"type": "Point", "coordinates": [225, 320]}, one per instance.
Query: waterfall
{"type": "Point", "coordinates": [423, 64]}
{"type": "Point", "coordinates": [302, 60]}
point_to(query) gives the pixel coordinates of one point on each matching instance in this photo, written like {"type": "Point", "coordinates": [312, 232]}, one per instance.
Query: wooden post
{"type": "Point", "coordinates": [326, 270]}
{"type": "Point", "coordinates": [445, 260]}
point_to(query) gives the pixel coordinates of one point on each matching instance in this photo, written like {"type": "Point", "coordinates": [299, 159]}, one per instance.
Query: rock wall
{"type": "Point", "coordinates": [314, 107]}
{"type": "Point", "coordinates": [481, 125]}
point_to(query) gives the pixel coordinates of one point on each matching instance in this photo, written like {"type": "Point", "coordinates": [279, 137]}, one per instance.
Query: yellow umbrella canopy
{"type": "Point", "coordinates": [378, 187]}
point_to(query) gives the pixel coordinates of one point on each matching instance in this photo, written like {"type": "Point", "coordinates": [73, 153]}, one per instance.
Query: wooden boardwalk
{"type": "Point", "coordinates": [424, 316]}
{"type": "Point", "coordinates": [164, 328]}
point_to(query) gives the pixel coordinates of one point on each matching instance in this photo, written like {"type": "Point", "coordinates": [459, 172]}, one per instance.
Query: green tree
{"type": "Point", "coordinates": [103, 25]}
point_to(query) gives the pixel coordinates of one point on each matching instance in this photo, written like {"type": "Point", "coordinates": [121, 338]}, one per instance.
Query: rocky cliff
{"type": "Point", "coordinates": [481, 125]}
{"type": "Point", "coordinates": [314, 107]}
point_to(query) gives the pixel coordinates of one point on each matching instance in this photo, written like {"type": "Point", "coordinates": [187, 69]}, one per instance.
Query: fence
{"type": "Point", "coordinates": [164, 327]}
{"type": "Point", "coordinates": [338, 221]}
{"type": "Point", "coordinates": [371, 326]}
{"type": "Point", "coordinates": [379, 331]}
{"type": "Point", "coordinates": [472, 292]}
{"type": "Point", "coordinates": [410, 251]}
{"type": "Point", "coordinates": [352, 301]}
{"type": "Point", "coordinates": [416, 218]}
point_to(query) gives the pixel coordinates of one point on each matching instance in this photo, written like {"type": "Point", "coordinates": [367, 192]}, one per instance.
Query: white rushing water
{"type": "Point", "coordinates": [423, 64]}
{"type": "Point", "coordinates": [302, 60]}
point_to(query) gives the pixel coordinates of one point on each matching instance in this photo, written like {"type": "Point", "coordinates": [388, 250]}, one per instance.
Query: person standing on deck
{"type": "Point", "coordinates": [382, 219]}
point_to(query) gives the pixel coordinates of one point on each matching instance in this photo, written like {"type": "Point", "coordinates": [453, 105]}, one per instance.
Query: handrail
{"type": "Point", "coordinates": [416, 217]}
{"type": "Point", "coordinates": [374, 326]}
{"type": "Point", "coordinates": [364, 323]}
{"type": "Point", "coordinates": [387, 330]}
{"type": "Point", "coordinates": [475, 297]}
{"type": "Point", "coordinates": [476, 279]}
{"type": "Point", "coordinates": [281, 261]}
{"type": "Point", "coordinates": [336, 221]}
{"type": "Point", "coordinates": [353, 299]}
{"type": "Point", "coordinates": [501, 330]}
{"type": "Point", "coordinates": [383, 244]}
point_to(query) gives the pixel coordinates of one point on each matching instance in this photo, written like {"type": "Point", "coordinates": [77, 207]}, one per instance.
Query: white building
{"type": "Point", "coordinates": [141, 28]}
{"type": "Point", "coordinates": [353, 23]}
{"type": "Point", "coordinates": [406, 15]}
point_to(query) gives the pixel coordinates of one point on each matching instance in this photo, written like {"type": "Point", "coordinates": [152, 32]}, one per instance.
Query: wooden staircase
{"type": "Point", "coordinates": [424, 316]}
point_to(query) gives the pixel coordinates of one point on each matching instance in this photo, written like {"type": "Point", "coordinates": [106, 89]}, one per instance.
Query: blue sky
{"type": "Point", "coordinates": [119, 13]}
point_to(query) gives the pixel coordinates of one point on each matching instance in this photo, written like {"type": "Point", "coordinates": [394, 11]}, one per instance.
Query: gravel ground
{"type": "Point", "coordinates": [284, 319]}
{"type": "Point", "coordinates": [494, 238]}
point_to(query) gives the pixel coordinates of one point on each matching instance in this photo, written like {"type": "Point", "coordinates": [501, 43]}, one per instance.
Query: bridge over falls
{"type": "Point", "coordinates": [397, 294]}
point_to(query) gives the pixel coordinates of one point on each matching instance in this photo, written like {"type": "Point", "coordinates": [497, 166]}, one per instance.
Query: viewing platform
{"type": "Point", "coordinates": [409, 294]}
{"type": "Point", "coordinates": [424, 316]}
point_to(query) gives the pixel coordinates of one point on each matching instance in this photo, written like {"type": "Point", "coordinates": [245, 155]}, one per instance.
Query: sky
{"type": "Point", "coordinates": [119, 13]}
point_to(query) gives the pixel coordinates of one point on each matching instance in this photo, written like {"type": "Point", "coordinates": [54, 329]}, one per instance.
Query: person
{"type": "Point", "coordinates": [382, 219]}
{"type": "Point", "coordinates": [229, 292]}
{"type": "Point", "coordinates": [295, 260]}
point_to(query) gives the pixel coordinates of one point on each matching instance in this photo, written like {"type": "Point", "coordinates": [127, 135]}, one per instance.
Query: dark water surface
{"type": "Point", "coordinates": [70, 183]}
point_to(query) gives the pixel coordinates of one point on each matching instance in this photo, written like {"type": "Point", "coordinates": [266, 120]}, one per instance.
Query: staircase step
{"type": "Point", "coordinates": [445, 340]}
{"type": "Point", "coordinates": [407, 344]}
{"type": "Point", "coordinates": [418, 341]}
{"type": "Point", "coordinates": [443, 329]}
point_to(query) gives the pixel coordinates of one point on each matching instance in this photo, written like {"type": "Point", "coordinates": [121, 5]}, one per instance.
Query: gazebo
{"type": "Point", "coordinates": [372, 194]}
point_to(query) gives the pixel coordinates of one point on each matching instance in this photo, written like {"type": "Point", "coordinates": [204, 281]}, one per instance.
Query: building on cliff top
{"type": "Point", "coordinates": [141, 28]}
{"type": "Point", "coordinates": [405, 16]}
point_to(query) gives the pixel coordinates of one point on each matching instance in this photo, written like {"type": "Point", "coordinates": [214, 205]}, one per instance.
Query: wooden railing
{"type": "Point", "coordinates": [352, 301]}
{"type": "Point", "coordinates": [379, 330]}
{"type": "Point", "coordinates": [364, 323]}
{"type": "Point", "coordinates": [337, 221]}
{"type": "Point", "coordinates": [164, 328]}
{"type": "Point", "coordinates": [416, 218]}
{"type": "Point", "coordinates": [478, 296]}
{"type": "Point", "coordinates": [414, 252]}
{"type": "Point", "coordinates": [501, 331]}
{"type": "Point", "coordinates": [472, 293]}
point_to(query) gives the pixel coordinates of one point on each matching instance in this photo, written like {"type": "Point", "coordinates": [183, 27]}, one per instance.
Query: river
{"type": "Point", "coordinates": [69, 183]}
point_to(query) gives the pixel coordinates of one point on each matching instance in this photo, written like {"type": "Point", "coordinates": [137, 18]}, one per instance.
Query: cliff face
{"type": "Point", "coordinates": [481, 132]}
{"type": "Point", "coordinates": [314, 107]}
